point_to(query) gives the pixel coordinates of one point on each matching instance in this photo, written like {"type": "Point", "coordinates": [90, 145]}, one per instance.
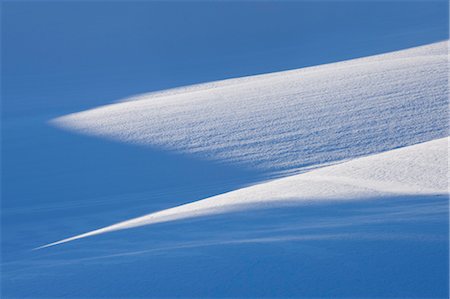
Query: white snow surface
{"type": "Point", "coordinates": [415, 170]}
{"type": "Point", "coordinates": [293, 120]}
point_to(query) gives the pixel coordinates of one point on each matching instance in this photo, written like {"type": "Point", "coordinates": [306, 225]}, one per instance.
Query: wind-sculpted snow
{"type": "Point", "coordinates": [291, 120]}
{"type": "Point", "coordinates": [331, 182]}
{"type": "Point", "coordinates": [416, 170]}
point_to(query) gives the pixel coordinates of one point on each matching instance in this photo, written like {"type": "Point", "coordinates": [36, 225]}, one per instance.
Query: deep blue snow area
{"type": "Point", "coordinates": [67, 56]}
{"type": "Point", "coordinates": [391, 247]}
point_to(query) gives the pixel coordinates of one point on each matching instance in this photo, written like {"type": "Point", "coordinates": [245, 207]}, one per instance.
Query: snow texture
{"type": "Point", "coordinates": [328, 181]}
{"type": "Point", "coordinates": [289, 121]}
{"type": "Point", "coordinates": [415, 170]}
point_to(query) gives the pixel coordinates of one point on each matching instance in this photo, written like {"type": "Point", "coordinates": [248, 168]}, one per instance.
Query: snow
{"type": "Point", "coordinates": [289, 121]}
{"type": "Point", "coordinates": [415, 170]}
{"type": "Point", "coordinates": [297, 120]}
{"type": "Point", "coordinates": [327, 181]}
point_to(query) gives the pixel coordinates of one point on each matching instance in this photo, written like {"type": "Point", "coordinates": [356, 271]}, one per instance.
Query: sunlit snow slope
{"type": "Point", "coordinates": [290, 120]}
{"type": "Point", "coordinates": [415, 170]}
{"type": "Point", "coordinates": [296, 120]}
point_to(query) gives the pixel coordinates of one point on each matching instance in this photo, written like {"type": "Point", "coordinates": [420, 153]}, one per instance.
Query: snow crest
{"type": "Point", "coordinates": [419, 169]}
{"type": "Point", "coordinates": [293, 120]}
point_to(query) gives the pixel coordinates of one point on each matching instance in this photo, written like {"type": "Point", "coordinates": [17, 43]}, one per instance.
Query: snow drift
{"type": "Point", "coordinates": [415, 170]}
{"type": "Point", "coordinates": [293, 120]}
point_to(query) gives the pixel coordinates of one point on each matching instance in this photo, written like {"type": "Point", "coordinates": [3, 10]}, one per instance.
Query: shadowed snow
{"type": "Point", "coordinates": [416, 170]}
{"type": "Point", "coordinates": [292, 121]}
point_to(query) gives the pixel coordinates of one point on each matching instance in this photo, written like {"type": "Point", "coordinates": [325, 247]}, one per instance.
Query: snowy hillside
{"type": "Point", "coordinates": [321, 182]}
{"type": "Point", "coordinates": [415, 170]}
{"type": "Point", "coordinates": [291, 120]}
{"type": "Point", "coordinates": [299, 119]}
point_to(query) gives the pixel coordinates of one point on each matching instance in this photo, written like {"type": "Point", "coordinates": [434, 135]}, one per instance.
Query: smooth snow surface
{"type": "Point", "coordinates": [289, 121]}
{"type": "Point", "coordinates": [415, 170]}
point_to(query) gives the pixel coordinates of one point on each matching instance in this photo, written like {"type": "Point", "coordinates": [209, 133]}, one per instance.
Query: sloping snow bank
{"type": "Point", "coordinates": [291, 120]}
{"type": "Point", "coordinates": [418, 169]}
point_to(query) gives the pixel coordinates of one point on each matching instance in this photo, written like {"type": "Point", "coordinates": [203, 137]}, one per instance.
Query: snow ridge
{"type": "Point", "coordinates": [419, 169]}
{"type": "Point", "coordinates": [292, 120]}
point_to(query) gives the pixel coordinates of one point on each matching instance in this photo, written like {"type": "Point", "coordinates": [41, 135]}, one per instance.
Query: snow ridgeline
{"type": "Point", "coordinates": [415, 170]}
{"type": "Point", "coordinates": [297, 120]}
{"type": "Point", "coordinates": [289, 121]}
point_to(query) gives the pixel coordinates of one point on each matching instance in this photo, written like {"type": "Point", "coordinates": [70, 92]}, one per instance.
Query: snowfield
{"type": "Point", "coordinates": [289, 121]}
{"type": "Point", "coordinates": [297, 120]}
{"type": "Point", "coordinates": [323, 182]}
{"type": "Point", "coordinates": [415, 170]}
